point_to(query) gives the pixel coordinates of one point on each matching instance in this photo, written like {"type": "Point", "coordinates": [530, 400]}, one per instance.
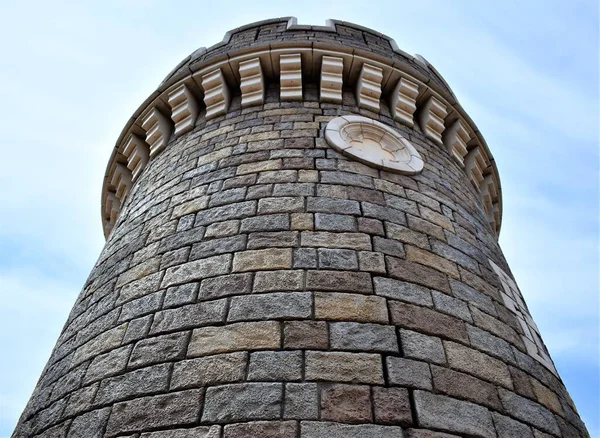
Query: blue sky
{"type": "Point", "coordinates": [72, 73]}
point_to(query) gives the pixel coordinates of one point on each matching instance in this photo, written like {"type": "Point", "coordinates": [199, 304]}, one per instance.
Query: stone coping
{"type": "Point", "coordinates": [410, 85]}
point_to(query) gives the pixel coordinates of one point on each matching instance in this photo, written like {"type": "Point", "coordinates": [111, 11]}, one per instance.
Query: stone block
{"type": "Point", "coordinates": [408, 372]}
{"type": "Point", "coordinates": [139, 288]}
{"type": "Point", "coordinates": [506, 427]}
{"type": "Point", "coordinates": [281, 205]}
{"type": "Point", "coordinates": [391, 406]}
{"type": "Point", "coordinates": [416, 345]}
{"type": "Point", "coordinates": [337, 259]}
{"type": "Point", "coordinates": [436, 218]}
{"type": "Point", "coordinates": [263, 259]}
{"type": "Point", "coordinates": [305, 258]}
{"type": "Point", "coordinates": [273, 239]}
{"type": "Point", "coordinates": [466, 387]}
{"type": "Point", "coordinates": [451, 306]}
{"type": "Point", "coordinates": [108, 364]}
{"type": "Point", "coordinates": [267, 222]}
{"type": "Point", "coordinates": [370, 226]}
{"type": "Point", "coordinates": [267, 281]}
{"type": "Point", "coordinates": [301, 401]}
{"type": "Point", "coordinates": [344, 367]}
{"type": "Point", "coordinates": [427, 321]}
{"type": "Point", "coordinates": [371, 262]}
{"type": "Point", "coordinates": [213, 247]}
{"type": "Point", "coordinates": [180, 295]}
{"type": "Point", "coordinates": [223, 229]}
{"type": "Point", "coordinates": [484, 341]}
{"type": "Point", "coordinates": [339, 281]}
{"type": "Point", "coordinates": [427, 258]}
{"type": "Point", "coordinates": [263, 429]}
{"type": "Point", "coordinates": [332, 205]}
{"type": "Point", "coordinates": [324, 239]}
{"type": "Point", "coordinates": [144, 381]}
{"type": "Point", "coordinates": [271, 306]}
{"type": "Point", "coordinates": [302, 221]}
{"type": "Point", "coordinates": [311, 335]}
{"type": "Point", "coordinates": [416, 273]}
{"type": "Point", "coordinates": [159, 349]}
{"type": "Point", "coordinates": [335, 306]}
{"type": "Point", "coordinates": [211, 370]}
{"type": "Point", "coordinates": [235, 337]}
{"type": "Point", "coordinates": [197, 270]}
{"type": "Point", "coordinates": [141, 306]}
{"type": "Point", "coordinates": [138, 329]}
{"type": "Point", "coordinates": [243, 402]}
{"type": "Point", "coordinates": [176, 408]}
{"type": "Point", "coordinates": [325, 429]}
{"type": "Point", "coordinates": [189, 316]}
{"type": "Point", "coordinates": [478, 364]}
{"type": "Point", "coordinates": [441, 412]}
{"type": "Point", "coordinates": [363, 337]}
{"type": "Point", "coordinates": [335, 222]}
{"type": "Point", "coordinates": [196, 432]}
{"type": "Point", "coordinates": [89, 425]}
{"type": "Point", "coordinates": [275, 366]}
{"type": "Point", "coordinates": [403, 291]}
{"type": "Point", "coordinates": [406, 235]}
{"type": "Point", "coordinates": [226, 285]}
{"type": "Point", "coordinates": [388, 246]}
{"type": "Point", "coordinates": [346, 403]}
{"type": "Point", "coordinates": [529, 412]}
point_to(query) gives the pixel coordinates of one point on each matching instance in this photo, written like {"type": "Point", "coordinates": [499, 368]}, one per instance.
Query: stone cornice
{"type": "Point", "coordinates": [199, 88]}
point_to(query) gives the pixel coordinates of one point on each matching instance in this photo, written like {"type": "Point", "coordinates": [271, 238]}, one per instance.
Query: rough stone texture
{"type": "Point", "coordinates": [258, 283]}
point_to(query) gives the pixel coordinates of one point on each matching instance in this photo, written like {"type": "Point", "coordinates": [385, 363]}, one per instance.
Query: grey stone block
{"type": "Point", "coordinates": [108, 364]}
{"type": "Point", "coordinates": [389, 247]}
{"type": "Point", "coordinates": [337, 259]}
{"type": "Point", "coordinates": [363, 337]}
{"type": "Point", "coordinates": [89, 425]}
{"type": "Point", "coordinates": [243, 402]}
{"type": "Point", "coordinates": [268, 222]}
{"type": "Point", "coordinates": [301, 401]}
{"type": "Point", "coordinates": [422, 347]}
{"type": "Point", "coordinates": [324, 429]}
{"type": "Point", "coordinates": [275, 366]}
{"type": "Point", "coordinates": [403, 291]}
{"type": "Point", "coordinates": [263, 429]}
{"type": "Point", "coordinates": [491, 344]}
{"type": "Point", "coordinates": [204, 371]}
{"type": "Point", "coordinates": [441, 412]}
{"type": "Point", "coordinates": [225, 285]}
{"type": "Point", "coordinates": [332, 205]}
{"type": "Point", "coordinates": [271, 306]}
{"type": "Point", "coordinates": [144, 381]}
{"type": "Point", "coordinates": [451, 306]}
{"type": "Point", "coordinates": [529, 411]}
{"type": "Point", "coordinates": [407, 372]}
{"type": "Point", "coordinates": [159, 349]}
{"type": "Point", "coordinates": [334, 222]}
{"type": "Point", "coordinates": [138, 329]}
{"type": "Point", "coordinates": [305, 258]}
{"type": "Point", "coordinates": [189, 316]}
{"type": "Point", "coordinates": [506, 427]}
{"type": "Point", "coordinates": [209, 248]}
{"type": "Point", "coordinates": [196, 432]}
{"type": "Point", "coordinates": [180, 295]}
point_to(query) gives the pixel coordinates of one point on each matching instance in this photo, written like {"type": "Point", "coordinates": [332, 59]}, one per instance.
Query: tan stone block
{"type": "Point", "coordinates": [436, 218]}
{"type": "Point", "coordinates": [193, 206]}
{"type": "Point", "coordinates": [341, 306]}
{"type": "Point", "coordinates": [434, 261]}
{"type": "Point", "coordinates": [324, 239]}
{"type": "Point", "coordinates": [235, 337]}
{"type": "Point", "coordinates": [346, 403]}
{"type": "Point", "coordinates": [259, 166]}
{"type": "Point", "coordinates": [306, 335]}
{"type": "Point", "coordinates": [214, 156]}
{"type": "Point", "coordinates": [344, 367]}
{"type": "Point", "coordinates": [546, 397]}
{"type": "Point", "coordinates": [478, 364]}
{"type": "Point", "coordinates": [302, 221]}
{"type": "Point", "coordinates": [308, 176]}
{"type": "Point", "coordinates": [148, 267]}
{"type": "Point", "coordinates": [262, 259]}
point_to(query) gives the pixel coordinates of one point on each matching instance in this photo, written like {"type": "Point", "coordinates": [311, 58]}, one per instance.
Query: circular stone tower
{"type": "Point", "coordinates": [302, 227]}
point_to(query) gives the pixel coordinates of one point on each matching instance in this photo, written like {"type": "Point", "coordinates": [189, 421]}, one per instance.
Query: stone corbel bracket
{"type": "Point", "coordinates": [200, 88]}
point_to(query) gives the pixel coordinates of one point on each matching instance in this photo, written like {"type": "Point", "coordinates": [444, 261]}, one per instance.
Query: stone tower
{"type": "Point", "coordinates": [302, 227]}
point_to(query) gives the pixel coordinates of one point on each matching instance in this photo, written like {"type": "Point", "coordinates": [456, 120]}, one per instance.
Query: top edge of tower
{"type": "Point", "coordinates": [269, 40]}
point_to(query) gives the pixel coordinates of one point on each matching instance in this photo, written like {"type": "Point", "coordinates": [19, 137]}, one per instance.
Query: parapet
{"type": "Point", "coordinates": [386, 81]}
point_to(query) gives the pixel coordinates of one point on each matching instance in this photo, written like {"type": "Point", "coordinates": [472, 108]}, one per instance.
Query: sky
{"type": "Point", "coordinates": [72, 73]}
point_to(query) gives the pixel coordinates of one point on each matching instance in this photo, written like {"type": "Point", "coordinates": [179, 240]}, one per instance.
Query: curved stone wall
{"type": "Point", "coordinates": [258, 283]}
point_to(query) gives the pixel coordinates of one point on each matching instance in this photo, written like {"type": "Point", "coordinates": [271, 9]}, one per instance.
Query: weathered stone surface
{"type": "Point", "coordinates": [529, 412]}
{"type": "Point", "coordinates": [423, 257]}
{"type": "Point", "coordinates": [427, 321]}
{"type": "Point", "coordinates": [363, 337]}
{"type": "Point", "coordinates": [280, 205]}
{"type": "Point", "coordinates": [408, 372]}
{"type": "Point", "coordinates": [108, 364]}
{"type": "Point", "coordinates": [208, 248]}
{"type": "Point", "coordinates": [242, 402]}
{"type": "Point", "coordinates": [479, 364]}
{"type": "Point", "coordinates": [509, 428]}
{"type": "Point", "coordinates": [267, 281]}
{"type": "Point", "coordinates": [282, 305]}
{"type": "Point", "coordinates": [463, 386]}
{"type": "Point", "coordinates": [336, 306]}
{"type": "Point", "coordinates": [344, 367]}
{"type": "Point", "coordinates": [269, 222]}
{"type": "Point", "coordinates": [441, 412]}
{"type": "Point", "coordinates": [196, 432]}
{"type": "Point", "coordinates": [451, 306]}
{"type": "Point", "coordinates": [391, 405]}
{"type": "Point", "coordinates": [180, 295]}
{"type": "Point", "coordinates": [418, 346]}
{"type": "Point", "coordinates": [403, 291]}
{"type": "Point", "coordinates": [226, 285]}
{"type": "Point", "coordinates": [275, 366]}
{"type": "Point", "coordinates": [159, 349]}
{"type": "Point", "coordinates": [416, 273]}
{"type": "Point", "coordinates": [339, 281]}
{"type": "Point", "coordinates": [176, 409]}
{"type": "Point", "coordinates": [203, 371]}
{"type": "Point", "coordinates": [346, 403]}
{"type": "Point", "coordinates": [388, 246]}
{"type": "Point", "coordinates": [337, 259]}
{"type": "Point", "coordinates": [312, 335]}
{"type": "Point", "coordinates": [190, 316]}
{"type": "Point", "coordinates": [334, 222]}
{"type": "Point", "coordinates": [223, 229]}
{"type": "Point", "coordinates": [301, 401]}
{"type": "Point", "coordinates": [325, 239]}
{"type": "Point", "coordinates": [197, 270]}
{"type": "Point", "coordinates": [263, 259]}
{"type": "Point", "coordinates": [235, 337]}
{"type": "Point", "coordinates": [371, 262]}
{"type": "Point", "coordinates": [89, 425]}
{"type": "Point", "coordinates": [323, 429]}
{"type": "Point", "coordinates": [263, 429]}
{"type": "Point", "coordinates": [144, 381]}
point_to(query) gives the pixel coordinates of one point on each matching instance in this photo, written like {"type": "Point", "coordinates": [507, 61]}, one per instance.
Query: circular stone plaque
{"type": "Point", "coordinates": [373, 143]}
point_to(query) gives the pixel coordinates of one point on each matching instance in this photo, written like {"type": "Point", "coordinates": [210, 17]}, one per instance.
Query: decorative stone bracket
{"type": "Point", "coordinates": [205, 93]}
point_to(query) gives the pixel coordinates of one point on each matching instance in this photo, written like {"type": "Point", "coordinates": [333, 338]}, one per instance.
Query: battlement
{"type": "Point", "coordinates": [387, 83]}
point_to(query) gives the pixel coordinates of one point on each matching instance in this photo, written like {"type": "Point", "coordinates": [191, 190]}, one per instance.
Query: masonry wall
{"type": "Point", "coordinates": [257, 283]}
